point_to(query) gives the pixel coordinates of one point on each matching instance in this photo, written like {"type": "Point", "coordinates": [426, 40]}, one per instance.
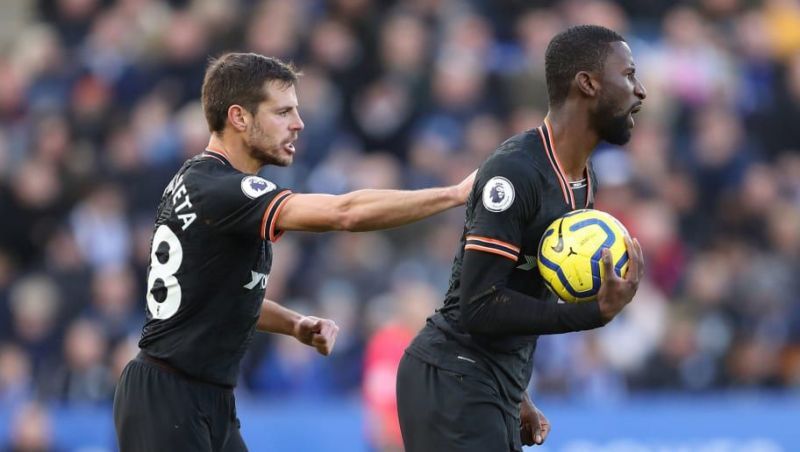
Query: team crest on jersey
{"type": "Point", "coordinates": [254, 186]}
{"type": "Point", "coordinates": [498, 194]}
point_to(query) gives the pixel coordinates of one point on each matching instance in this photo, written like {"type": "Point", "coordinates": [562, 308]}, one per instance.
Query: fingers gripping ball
{"type": "Point", "coordinates": [571, 251]}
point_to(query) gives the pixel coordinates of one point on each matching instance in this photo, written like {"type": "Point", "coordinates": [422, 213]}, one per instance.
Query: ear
{"type": "Point", "coordinates": [238, 117]}
{"type": "Point", "coordinates": [587, 83]}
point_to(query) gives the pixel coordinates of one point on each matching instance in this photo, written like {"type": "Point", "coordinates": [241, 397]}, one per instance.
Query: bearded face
{"type": "Point", "coordinates": [275, 127]}
{"type": "Point", "coordinates": [611, 122]}
{"type": "Point", "coordinates": [267, 148]}
{"type": "Point", "coordinates": [620, 97]}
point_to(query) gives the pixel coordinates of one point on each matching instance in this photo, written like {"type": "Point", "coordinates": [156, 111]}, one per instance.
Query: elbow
{"type": "Point", "coordinates": [477, 315]}
{"type": "Point", "coordinates": [341, 221]}
{"type": "Point", "coordinates": [350, 222]}
{"type": "Point", "coordinates": [343, 216]}
{"type": "Point", "coordinates": [471, 325]}
{"type": "Point", "coordinates": [475, 318]}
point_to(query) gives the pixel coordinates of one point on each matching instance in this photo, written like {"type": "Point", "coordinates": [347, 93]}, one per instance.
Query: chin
{"type": "Point", "coordinates": [619, 138]}
{"type": "Point", "coordinates": [275, 159]}
{"type": "Point", "coordinates": [615, 130]}
{"type": "Point", "coordinates": [277, 162]}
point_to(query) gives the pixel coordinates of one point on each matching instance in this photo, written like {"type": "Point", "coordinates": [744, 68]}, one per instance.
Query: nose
{"type": "Point", "coordinates": [297, 124]}
{"type": "Point", "coordinates": [639, 91]}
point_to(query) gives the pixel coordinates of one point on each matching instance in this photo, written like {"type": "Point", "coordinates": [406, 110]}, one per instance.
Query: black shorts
{"type": "Point", "coordinates": [443, 411]}
{"type": "Point", "coordinates": [156, 409]}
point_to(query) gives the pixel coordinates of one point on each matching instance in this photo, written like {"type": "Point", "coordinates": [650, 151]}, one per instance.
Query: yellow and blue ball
{"type": "Point", "coordinates": [570, 253]}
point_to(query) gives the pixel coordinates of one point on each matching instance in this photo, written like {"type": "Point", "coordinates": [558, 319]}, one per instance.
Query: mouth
{"type": "Point", "coordinates": [636, 109]}
{"type": "Point", "coordinates": [289, 147]}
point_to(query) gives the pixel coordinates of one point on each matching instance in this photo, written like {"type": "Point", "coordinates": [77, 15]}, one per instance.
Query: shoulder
{"type": "Point", "coordinates": [524, 151]}
{"type": "Point", "coordinates": [524, 139]}
{"type": "Point", "coordinates": [202, 166]}
{"type": "Point", "coordinates": [212, 175]}
{"type": "Point", "coordinates": [519, 159]}
{"type": "Point", "coordinates": [212, 179]}
{"type": "Point", "coordinates": [510, 172]}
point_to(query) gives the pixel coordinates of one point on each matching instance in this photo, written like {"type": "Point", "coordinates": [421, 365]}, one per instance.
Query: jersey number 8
{"type": "Point", "coordinates": [163, 289]}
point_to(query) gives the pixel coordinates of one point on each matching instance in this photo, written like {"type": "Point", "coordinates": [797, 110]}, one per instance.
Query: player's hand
{"type": "Point", "coordinates": [465, 187]}
{"type": "Point", "coordinates": [615, 292]}
{"type": "Point", "coordinates": [534, 426]}
{"type": "Point", "coordinates": [316, 332]}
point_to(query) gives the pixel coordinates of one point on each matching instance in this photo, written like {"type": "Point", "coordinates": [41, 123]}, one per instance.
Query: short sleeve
{"type": "Point", "coordinates": [238, 203]}
{"type": "Point", "coordinates": [503, 200]}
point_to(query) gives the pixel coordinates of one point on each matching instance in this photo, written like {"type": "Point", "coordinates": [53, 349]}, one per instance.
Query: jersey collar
{"type": "Point", "coordinates": [218, 154]}
{"type": "Point", "coordinates": [546, 133]}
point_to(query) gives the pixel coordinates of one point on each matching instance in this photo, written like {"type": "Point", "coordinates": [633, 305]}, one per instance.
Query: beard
{"type": "Point", "coordinates": [264, 149]}
{"type": "Point", "coordinates": [612, 126]}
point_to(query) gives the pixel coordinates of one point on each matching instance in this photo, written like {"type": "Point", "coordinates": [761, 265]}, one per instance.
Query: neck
{"type": "Point", "coordinates": [235, 150]}
{"type": "Point", "coordinates": [573, 137]}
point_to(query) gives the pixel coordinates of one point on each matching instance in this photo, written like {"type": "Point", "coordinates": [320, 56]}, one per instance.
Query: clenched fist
{"type": "Point", "coordinates": [316, 332]}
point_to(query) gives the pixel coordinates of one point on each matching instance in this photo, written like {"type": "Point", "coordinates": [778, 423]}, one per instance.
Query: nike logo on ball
{"type": "Point", "coordinates": [560, 245]}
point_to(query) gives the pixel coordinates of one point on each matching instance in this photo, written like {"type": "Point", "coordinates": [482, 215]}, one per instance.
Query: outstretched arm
{"type": "Point", "coordinates": [368, 210]}
{"type": "Point", "coordinates": [312, 331]}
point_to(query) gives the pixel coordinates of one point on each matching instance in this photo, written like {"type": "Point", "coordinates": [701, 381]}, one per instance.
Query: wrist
{"type": "Point", "coordinates": [605, 313]}
{"type": "Point", "coordinates": [581, 316]}
{"type": "Point", "coordinates": [296, 322]}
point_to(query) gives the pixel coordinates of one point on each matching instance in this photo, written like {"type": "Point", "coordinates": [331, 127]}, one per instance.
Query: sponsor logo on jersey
{"type": "Point", "coordinates": [257, 279]}
{"type": "Point", "coordinates": [254, 186]}
{"type": "Point", "coordinates": [498, 194]}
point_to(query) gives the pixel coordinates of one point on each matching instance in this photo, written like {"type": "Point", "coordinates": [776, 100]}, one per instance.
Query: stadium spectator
{"type": "Point", "coordinates": [96, 116]}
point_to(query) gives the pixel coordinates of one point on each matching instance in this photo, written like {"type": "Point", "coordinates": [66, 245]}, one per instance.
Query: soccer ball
{"type": "Point", "coordinates": [570, 253]}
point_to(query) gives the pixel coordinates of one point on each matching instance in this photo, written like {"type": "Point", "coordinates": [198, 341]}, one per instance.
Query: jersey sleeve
{"type": "Point", "coordinates": [503, 201]}
{"type": "Point", "coordinates": [239, 203]}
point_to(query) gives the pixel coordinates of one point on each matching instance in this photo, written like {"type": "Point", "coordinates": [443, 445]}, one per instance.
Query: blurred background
{"type": "Point", "coordinates": [99, 107]}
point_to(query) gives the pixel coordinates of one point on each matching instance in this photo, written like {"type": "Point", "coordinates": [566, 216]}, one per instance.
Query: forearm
{"type": "Point", "coordinates": [368, 210]}
{"type": "Point", "coordinates": [489, 307]}
{"type": "Point", "coordinates": [502, 311]}
{"type": "Point", "coordinates": [275, 318]}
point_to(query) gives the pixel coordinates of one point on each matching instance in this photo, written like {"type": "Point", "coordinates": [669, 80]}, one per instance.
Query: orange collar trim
{"type": "Point", "coordinates": [546, 132]}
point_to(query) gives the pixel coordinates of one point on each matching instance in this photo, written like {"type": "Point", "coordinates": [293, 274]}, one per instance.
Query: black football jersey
{"type": "Point", "coordinates": [210, 260]}
{"type": "Point", "coordinates": [519, 190]}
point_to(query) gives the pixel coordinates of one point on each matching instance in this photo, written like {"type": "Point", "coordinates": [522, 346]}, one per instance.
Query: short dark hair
{"type": "Point", "coordinates": [578, 48]}
{"type": "Point", "coordinates": [239, 78]}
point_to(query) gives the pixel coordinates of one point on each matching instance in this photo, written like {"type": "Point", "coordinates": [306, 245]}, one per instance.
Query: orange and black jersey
{"type": "Point", "coordinates": [497, 303]}
{"type": "Point", "coordinates": [210, 259]}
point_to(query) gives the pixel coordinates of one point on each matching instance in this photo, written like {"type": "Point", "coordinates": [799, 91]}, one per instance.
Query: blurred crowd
{"type": "Point", "coordinates": [99, 106]}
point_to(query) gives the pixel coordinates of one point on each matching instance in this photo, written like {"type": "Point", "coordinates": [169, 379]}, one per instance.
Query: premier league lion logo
{"type": "Point", "coordinates": [498, 194]}
{"type": "Point", "coordinates": [258, 184]}
{"type": "Point", "coordinates": [254, 186]}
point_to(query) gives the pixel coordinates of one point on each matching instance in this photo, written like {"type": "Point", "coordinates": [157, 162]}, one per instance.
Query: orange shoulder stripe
{"type": "Point", "coordinates": [491, 250]}
{"type": "Point", "coordinates": [494, 241]}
